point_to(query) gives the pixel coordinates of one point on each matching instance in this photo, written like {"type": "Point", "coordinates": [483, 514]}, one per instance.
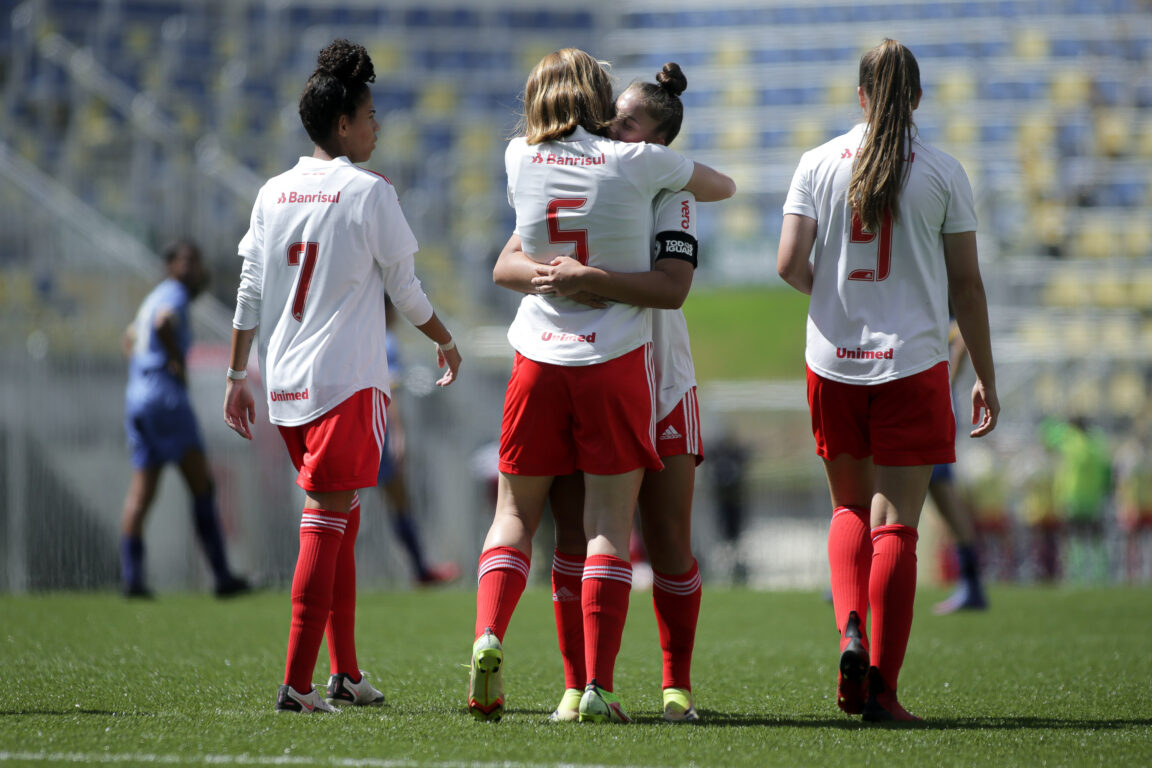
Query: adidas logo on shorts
{"type": "Point", "coordinates": [670, 433]}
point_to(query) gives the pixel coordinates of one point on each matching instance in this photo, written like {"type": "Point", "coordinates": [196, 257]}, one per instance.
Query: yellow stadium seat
{"type": "Point", "coordinates": [731, 54]}
{"type": "Point", "coordinates": [1138, 238]}
{"type": "Point", "coordinates": [1093, 238]}
{"type": "Point", "coordinates": [1066, 289]}
{"type": "Point", "coordinates": [438, 99]}
{"type": "Point", "coordinates": [1126, 393]}
{"type": "Point", "coordinates": [1113, 132]}
{"type": "Point", "coordinates": [1071, 88]}
{"type": "Point", "coordinates": [956, 88]}
{"type": "Point", "coordinates": [1032, 43]}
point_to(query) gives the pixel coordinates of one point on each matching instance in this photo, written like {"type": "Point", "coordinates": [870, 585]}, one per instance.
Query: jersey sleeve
{"type": "Point", "coordinates": [961, 214]}
{"type": "Point", "coordinates": [674, 219]}
{"type": "Point", "coordinates": [800, 199]}
{"type": "Point", "coordinates": [386, 230]}
{"type": "Point", "coordinates": [251, 249]}
{"type": "Point", "coordinates": [652, 167]}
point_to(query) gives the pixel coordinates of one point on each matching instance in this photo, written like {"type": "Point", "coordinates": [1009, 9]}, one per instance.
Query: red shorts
{"type": "Point", "coordinates": [678, 433]}
{"type": "Point", "coordinates": [902, 423]}
{"type": "Point", "coordinates": [595, 418]}
{"type": "Point", "coordinates": [340, 450]}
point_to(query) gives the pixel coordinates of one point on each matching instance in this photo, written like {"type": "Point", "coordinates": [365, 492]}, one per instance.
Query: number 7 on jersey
{"type": "Point", "coordinates": [306, 253]}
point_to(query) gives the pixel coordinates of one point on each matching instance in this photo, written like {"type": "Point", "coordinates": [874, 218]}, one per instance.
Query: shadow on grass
{"type": "Point", "coordinates": [728, 720]}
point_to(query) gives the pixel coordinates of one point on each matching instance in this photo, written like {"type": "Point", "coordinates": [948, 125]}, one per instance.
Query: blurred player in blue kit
{"type": "Point", "coordinates": [161, 426]}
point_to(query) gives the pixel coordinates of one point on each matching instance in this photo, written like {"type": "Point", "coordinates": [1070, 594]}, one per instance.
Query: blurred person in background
{"type": "Point", "coordinates": [1081, 486]}
{"type": "Point", "coordinates": [957, 515]}
{"type": "Point", "coordinates": [581, 391]}
{"type": "Point", "coordinates": [1133, 470]}
{"type": "Point", "coordinates": [327, 240]}
{"type": "Point", "coordinates": [392, 479]}
{"type": "Point", "coordinates": [162, 428]}
{"type": "Point", "coordinates": [653, 113]}
{"type": "Point", "coordinates": [893, 224]}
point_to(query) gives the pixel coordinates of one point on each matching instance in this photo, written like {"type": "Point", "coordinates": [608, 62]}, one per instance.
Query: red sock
{"type": "Point", "coordinates": [892, 590]}
{"type": "Point", "coordinates": [321, 532]}
{"type": "Point", "coordinates": [677, 603]}
{"type": "Point", "coordinates": [567, 574]}
{"type": "Point", "coordinates": [850, 561]}
{"type": "Point", "coordinates": [604, 598]}
{"type": "Point", "coordinates": [503, 573]}
{"type": "Point", "coordinates": [341, 629]}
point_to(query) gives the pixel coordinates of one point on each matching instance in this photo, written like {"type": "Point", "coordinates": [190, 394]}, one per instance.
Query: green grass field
{"type": "Point", "coordinates": [1047, 677]}
{"type": "Point", "coordinates": [747, 333]}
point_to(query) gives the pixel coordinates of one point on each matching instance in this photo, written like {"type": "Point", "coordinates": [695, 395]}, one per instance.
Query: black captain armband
{"type": "Point", "coordinates": [676, 245]}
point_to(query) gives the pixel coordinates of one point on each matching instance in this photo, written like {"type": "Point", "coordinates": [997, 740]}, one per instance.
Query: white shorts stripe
{"type": "Point", "coordinates": [379, 417]}
{"type": "Point", "coordinates": [650, 368]}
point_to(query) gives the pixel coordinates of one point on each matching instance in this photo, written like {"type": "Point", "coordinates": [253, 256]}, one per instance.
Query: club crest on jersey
{"type": "Point", "coordinates": [577, 160]}
{"type": "Point", "coordinates": [312, 197]}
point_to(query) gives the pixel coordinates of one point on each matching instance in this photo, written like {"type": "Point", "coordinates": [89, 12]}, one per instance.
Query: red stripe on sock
{"type": "Point", "coordinates": [567, 574]}
{"type": "Point", "coordinates": [676, 600]}
{"type": "Point", "coordinates": [892, 590]}
{"type": "Point", "coordinates": [341, 629]}
{"type": "Point", "coordinates": [312, 593]}
{"type": "Point", "coordinates": [605, 602]}
{"type": "Point", "coordinates": [503, 575]}
{"type": "Point", "coordinates": [850, 562]}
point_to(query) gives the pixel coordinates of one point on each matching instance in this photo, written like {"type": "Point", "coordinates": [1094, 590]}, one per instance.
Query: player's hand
{"type": "Point", "coordinates": [452, 360]}
{"type": "Point", "coordinates": [239, 408]}
{"type": "Point", "coordinates": [563, 276]}
{"type": "Point", "coordinates": [985, 409]}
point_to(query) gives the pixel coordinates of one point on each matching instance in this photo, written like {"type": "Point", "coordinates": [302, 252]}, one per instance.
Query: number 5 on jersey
{"type": "Point", "coordinates": [578, 237]}
{"type": "Point", "coordinates": [305, 252]}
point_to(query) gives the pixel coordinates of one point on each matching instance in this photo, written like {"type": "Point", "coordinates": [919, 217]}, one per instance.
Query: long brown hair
{"type": "Point", "coordinates": [890, 78]}
{"type": "Point", "coordinates": [566, 90]}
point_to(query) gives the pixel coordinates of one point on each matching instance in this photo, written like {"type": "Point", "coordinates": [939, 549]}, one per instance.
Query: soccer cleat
{"type": "Point", "coordinates": [853, 678]}
{"type": "Point", "coordinates": [600, 706]}
{"type": "Point", "coordinates": [678, 706]}
{"type": "Point", "coordinates": [965, 598]}
{"type": "Point", "coordinates": [444, 573]}
{"type": "Point", "coordinates": [485, 681]}
{"type": "Point", "coordinates": [881, 705]}
{"type": "Point", "coordinates": [342, 692]}
{"type": "Point", "coordinates": [233, 586]}
{"type": "Point", "coordinates": [288, 699]}
{"type": "Point", "coordinates": [568, 710]}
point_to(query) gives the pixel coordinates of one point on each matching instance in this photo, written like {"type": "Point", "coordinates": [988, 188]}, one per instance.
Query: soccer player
{"type": "Point", "coordinates": [653, 113]}
{"type": "Point", "coordinates": [392, 481]}
{"type": "Point", "coordinates": [580, 394]}
{"type": "Point", "coordinates": [894, 228]}
{"type": "Point", "coordinates": [957, 515]}
{"type": "Point", "coordinates": [327, 240]}
{"type": "Point", "coordinates": [161, 426]}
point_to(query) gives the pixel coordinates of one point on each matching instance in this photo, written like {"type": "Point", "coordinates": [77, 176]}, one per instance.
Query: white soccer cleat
{"type": "Point", "coordinates": [485, 681]}
{"type": "Point", "coordinates": [678, 706]}
{"type": "Point", "coordinates": [568, 710]}
{"type": "Point", "coordinates": [342, 692]}
{"type": "Point", "coordinates": [288, 699]}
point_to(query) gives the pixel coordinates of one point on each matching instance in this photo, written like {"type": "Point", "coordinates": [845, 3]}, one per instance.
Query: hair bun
{"type": "Point", "coordinates": [347, 62]}
{"type": "Point", "coordinates": [672, 79]}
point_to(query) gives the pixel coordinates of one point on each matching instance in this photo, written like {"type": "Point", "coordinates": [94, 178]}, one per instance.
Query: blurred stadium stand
{"type": "Point", "coordinates": [128, 122]}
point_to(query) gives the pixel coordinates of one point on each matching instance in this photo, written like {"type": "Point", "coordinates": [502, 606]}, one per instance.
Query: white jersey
{"type": "Point", "coordinates": [326, 241]}
{"type": "Point", "coordinates": [591, 198]}
{"type": "Point", "coordinates": [879, 307]}
{"type": "Point", "coordinates": [675, 227]}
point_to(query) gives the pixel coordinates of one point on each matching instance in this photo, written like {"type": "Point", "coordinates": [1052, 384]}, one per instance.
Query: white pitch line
{"type": "Point", "coordinates": [244, 759]}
